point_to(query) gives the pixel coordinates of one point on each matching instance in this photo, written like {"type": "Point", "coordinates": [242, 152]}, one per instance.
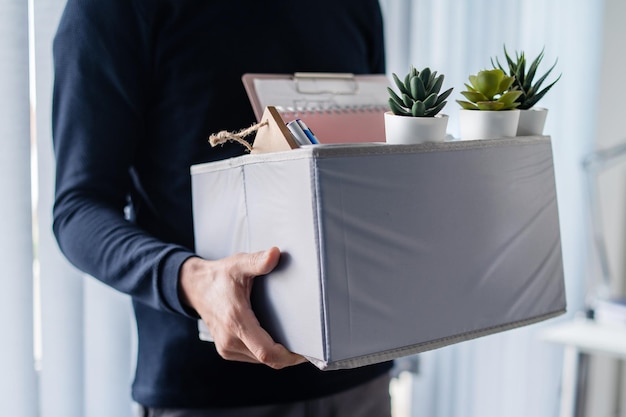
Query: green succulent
{"type": "Point", "coordinates": [490, 90]}
{"type": "Point", "coordinates": [531, 92]}
{"type": "Point", "coordinates": [419, 94]}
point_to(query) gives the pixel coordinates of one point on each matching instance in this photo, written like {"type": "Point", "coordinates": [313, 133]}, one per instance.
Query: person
{"type": "Point", "coordinates": [139, 86]}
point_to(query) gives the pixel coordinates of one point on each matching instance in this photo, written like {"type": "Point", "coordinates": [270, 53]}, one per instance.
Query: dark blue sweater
{"type": "Point", "coordinates": [139, 86]}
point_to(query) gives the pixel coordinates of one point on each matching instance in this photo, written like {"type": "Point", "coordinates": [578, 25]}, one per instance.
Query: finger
{"type": "Point", "coordinates": [260, 344]}
{"type": "Point", "coordinates": [243, 354]}
{"type": "Point", "coordinates": [239, 354]}
{"type": "Point", "coordinates": [228, 332]}
{"type": "Point", "coordinates": [259, 263]}
{"type": "Point", "coordinates": [230, 346]}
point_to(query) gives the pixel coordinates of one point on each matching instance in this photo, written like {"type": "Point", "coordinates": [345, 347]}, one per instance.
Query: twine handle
{"type": "Point", "coordinates": [224, 136]}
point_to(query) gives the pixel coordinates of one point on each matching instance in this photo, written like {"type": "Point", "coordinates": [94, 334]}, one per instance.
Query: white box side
{"type": "Point", "coordinates": [432, 246]}
{"type": "Point", "coordinates": [281, 213]}
{"type": "Point", "coordinates": [219, 213]}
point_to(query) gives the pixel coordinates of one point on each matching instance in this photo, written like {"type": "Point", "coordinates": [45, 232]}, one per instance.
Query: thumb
{"type": "Point", "coordinates": [262, 262]}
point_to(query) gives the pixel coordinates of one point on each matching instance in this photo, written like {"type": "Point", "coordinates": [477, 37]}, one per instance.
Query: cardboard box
{"type": "Point", "coordinates": [390, 250]}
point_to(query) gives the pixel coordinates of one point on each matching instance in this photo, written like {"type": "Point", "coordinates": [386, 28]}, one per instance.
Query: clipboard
{"type": "Point", "coordinates": [337, 107]}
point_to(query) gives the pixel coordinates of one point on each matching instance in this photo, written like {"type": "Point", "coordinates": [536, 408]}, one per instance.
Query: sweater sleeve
{"type": "Point", "coordinates": [101, 63]}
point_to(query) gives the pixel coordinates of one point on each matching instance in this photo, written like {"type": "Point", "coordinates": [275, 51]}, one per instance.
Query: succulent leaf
{"type": "Point", "coordinates": [473, 79]}
{"type": "Point", "coordinates": [435, 110]}
{"type": "Point", "coordinates": [509, 97]}
{"type": "Point", "coordinates": [407, 100]}
{"type": "Point", "coordinates": [497, 64]}
{"type": "Point", "coordinates": [505, 84]}
{"type": "Point", "coordinates": [488, 82]}
{"type": "Point", "coordinates": [467, 105]}
{"type": "Point", "coordinates": [540, 81]}
{"type": "Point", "coordinates": [418, 109]}
{"type": "Point", "coordinates": [430, 101]}
{"type": "Point", "coordinates": [443, 96]}
{"type": "Point", "coordinates": [407, 79]}
{"type": "Point", "coordinates": [469, 87]}
{"type": "Point", "coordinates": [490, 105]}
{"type": "Point", "coordinates": [532, 70]}
{"type": "Point", "coordinates": [425, 76]}
{"type": "Point", "coordinates": [511, 63]}
{"type": "Point", "coordinates": [538, 96]}
{"type": "Point", "coordinates": [393, 96]}
{"type": "Point", "coordinates": [432, 80]}
{"type": "Point", "coordinates": [400, 84]}
{"type": "Point", "coordinates": [437, 83]}
{"type": "Point", "coordinates": [520, 71]}
{"type": "Point", "coordinates": [396, 109]}
{"type": "Point", "coordinates": [474, 96]}
{"type": "Point", "coordinates": [417, 88]}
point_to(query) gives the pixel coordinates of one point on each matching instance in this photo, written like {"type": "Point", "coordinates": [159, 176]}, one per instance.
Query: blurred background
{"type": "Point", "coordinates": [68, 343]}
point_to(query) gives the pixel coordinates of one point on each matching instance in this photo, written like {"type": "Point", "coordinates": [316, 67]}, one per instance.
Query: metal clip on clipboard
{"type": "Point", "coordinates": [343, 89]}
{"type": "Point", "coordinates": [325, 83]}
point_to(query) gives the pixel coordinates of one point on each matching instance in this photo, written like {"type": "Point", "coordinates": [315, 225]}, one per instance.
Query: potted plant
{"type": "Point", "coordinates": [532, 119]}
{"type": "Point", "coordinates": [414, 115]}
{"type": "Point", "coordinates": [490, 111]}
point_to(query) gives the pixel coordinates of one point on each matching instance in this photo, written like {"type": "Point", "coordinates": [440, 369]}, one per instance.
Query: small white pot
{"type": "Point", "coordinates": [532, 121]}
{"type": "Point", "coordinates": [488, 124]}
{"type": "Point", "coordinates": [409, 130]}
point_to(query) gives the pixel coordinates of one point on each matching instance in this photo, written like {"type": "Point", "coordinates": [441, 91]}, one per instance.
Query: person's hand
{"type": "Point", "coordinates": [219, 291]}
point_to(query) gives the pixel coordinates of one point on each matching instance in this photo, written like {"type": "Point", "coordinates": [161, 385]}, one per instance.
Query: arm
{"type": "Point", "coordinates": [102, 93]}
{"type": "Point", "coordinates": [98, 122]}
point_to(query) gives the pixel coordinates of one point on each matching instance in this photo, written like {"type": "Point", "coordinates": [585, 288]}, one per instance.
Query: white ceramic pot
{"type": "Point", "coordinates": [488, 124]}
{"type": "Point", "coordinates": [409, 130]}
{"type": "Point", "coordinates": [532, 121]}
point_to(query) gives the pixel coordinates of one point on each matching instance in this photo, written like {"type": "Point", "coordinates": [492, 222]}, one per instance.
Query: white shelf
{"type": "Point", "coordinates": [589, 336]}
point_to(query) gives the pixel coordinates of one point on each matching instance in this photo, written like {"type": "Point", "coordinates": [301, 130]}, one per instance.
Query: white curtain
{"type": "Point", "coordinates": [86, 332]}
{"type": "Point", "coordinates": [511, 374]}
{"type": "Point", "coordinates": [17, 375]}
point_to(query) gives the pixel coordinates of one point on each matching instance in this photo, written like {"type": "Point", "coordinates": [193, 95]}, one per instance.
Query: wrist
{"type": "Point", "coordinates": [189, 279]}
